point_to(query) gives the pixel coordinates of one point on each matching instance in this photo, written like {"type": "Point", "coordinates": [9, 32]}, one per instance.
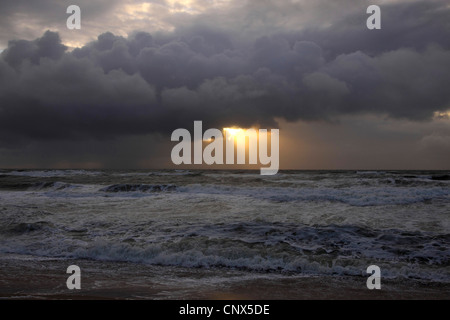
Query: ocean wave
{"type": "Point", "coordinates": [219, 253]}
{"type": "Point", "coordinates": [27, 227]}
{"type": "Point", "coordinates": [262, 247]}
{"type": "Point", "coordinates": [37, 186]}
{"type": "Point", "coordinates": [51, 173]}
{"type": "Point", "coordinates": [444, 177]}
{"type": "Point", "coordinates": [371, 173]}
{"type": "Point", "coordinates": [356, 196]}
{"type": "Point", "coordinates": [395, 192]}
{"type": "Point", "coordinates": [48, 185]}
{"type": "Point", "coordinates": [185, 173]}
{"type": "Point", "coordinates": [139, 188]}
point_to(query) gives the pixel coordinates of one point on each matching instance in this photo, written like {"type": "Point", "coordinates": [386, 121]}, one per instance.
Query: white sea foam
{"type": "Point", "coordinates": [302, 223]}
{"type": "Point", "coordinates": [233, 255]}
{"type": "Point", "coordinates": [371, 196]}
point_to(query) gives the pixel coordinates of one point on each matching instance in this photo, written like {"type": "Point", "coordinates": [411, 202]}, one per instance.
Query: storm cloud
{"type": "Point", "coordinates": [211, 69]}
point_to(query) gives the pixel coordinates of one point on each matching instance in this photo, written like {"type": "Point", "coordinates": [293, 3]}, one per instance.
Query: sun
{"type": "Point", "coordinates": [232, 133]}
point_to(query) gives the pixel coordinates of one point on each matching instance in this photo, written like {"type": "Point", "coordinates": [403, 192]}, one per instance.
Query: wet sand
{"type": "Point", "coordinates": [22, 278]}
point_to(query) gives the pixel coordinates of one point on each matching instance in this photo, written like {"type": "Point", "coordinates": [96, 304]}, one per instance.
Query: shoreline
{"type": "Point", "coordinates": [22, 277]}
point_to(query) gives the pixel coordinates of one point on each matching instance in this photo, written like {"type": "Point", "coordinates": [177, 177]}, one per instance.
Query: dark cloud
{"type": "Point", "coordinates": [411, 24]}
{"type": "Point", "coordinates": [154, 83]}
{"type": "Point", "coordinates": [49, 46]}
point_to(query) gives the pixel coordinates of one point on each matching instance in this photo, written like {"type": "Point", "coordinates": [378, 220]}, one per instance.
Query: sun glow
{"type": "Point", "coordinates": [232, 133]}
{"type": "Point", "coordinates": [442, 115]}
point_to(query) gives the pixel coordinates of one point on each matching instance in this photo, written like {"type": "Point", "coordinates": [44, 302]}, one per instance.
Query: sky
{"type": "Point", "coordinates": [110, 94]}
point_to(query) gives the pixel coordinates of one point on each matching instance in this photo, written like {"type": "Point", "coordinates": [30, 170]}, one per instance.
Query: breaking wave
{"type": "Point", "coordinates": [139, 188]}
{"type": "Point", "coordinates": [316, 250]}
{"type": "Point", "coordinates": [356, 196]}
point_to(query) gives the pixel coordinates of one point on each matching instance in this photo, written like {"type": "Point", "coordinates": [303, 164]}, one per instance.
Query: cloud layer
{"type": "Point", "coordinates": [240, 64]}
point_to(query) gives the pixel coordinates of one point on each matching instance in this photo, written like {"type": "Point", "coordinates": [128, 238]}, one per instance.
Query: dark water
{"type": "Point", "coordinates": [309, 223]}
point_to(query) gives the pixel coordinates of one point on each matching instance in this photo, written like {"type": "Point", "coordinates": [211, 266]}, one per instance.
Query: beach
{"type": "Point", "coordinates": [23, 278]}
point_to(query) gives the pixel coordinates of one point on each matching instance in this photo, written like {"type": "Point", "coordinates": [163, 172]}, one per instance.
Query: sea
{"type": "Point", "coordinates": [178, 232]}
